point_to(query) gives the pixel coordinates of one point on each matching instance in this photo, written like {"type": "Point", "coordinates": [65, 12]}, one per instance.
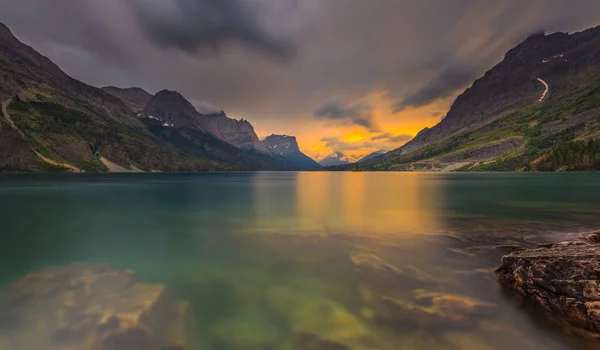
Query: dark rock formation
{"type": "Point", "coordinates": [239, 133]}
{"type": "Point", "coordinates": [95, 307]}
{"type": "Point", "coordinates": [563, 278]}
{"type": "Point", "coordinates": [287, 148]}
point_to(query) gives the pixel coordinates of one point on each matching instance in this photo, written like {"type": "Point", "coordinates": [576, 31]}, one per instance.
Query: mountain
{"type": "Point", "coordinates": [335, 159]}
{"type": "Point", "coordinates": [134, 98]}
{"type": "Point", "coordinates": [52, 122]}
{"type": "Point", "coordinates": [372, 155]}
{"type": "Point", "coordinates": [173, 119]}
{"type": "Point", "coordinates": [543, 98]}
{"type": "Point", "coordinates": [239, 133]}
{"type": "Point", "coordinates": [172, 108]}
{"type": "Point", "coordinates": [287, 148]}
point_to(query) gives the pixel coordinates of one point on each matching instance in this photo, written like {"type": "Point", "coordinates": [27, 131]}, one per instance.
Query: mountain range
{"type": "Point", "coordinates": [537, 110]}
{"type": "Point", "coordinates": [52, 122]}
{"type": "Point", "coordinates": [337, 159]}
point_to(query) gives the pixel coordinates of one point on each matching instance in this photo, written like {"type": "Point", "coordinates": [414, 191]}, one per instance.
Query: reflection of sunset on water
{"type": "Point", "coordinates": [348, 203]}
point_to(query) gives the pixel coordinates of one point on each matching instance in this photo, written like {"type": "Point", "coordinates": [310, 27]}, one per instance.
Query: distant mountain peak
{"type": "Point", "coordinates": [336, 158]}
{"type": "Point", "coordinates": [280, 144]}
{"type": "Point", "coordinates": [287, 147]}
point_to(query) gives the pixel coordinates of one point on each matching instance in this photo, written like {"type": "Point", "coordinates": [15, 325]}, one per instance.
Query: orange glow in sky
{"type": "Point", "coordinates": [356, 141]}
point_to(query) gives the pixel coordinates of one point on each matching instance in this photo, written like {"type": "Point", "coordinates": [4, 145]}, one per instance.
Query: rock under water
{"type": "Point", "coordinates": [93, 306]}
{"type": "Point", "coordinates": [563, 278]}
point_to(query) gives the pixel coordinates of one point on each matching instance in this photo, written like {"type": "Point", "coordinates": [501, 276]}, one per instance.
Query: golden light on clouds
{"type": "Point", "coordinates": [319, 138]}
{"type": "Point", "coordinates": [393, 130]}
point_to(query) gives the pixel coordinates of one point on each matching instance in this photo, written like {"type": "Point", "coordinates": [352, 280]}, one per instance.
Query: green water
{"type": "Point", "coordinates": [261, 255]}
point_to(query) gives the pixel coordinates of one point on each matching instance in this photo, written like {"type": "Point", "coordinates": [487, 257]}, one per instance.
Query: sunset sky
{"type": "Point", "coordinates": [342, 75]}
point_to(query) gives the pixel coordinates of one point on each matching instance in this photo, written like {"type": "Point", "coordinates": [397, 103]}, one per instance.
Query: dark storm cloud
{"type": "Point", "coordinates": [358, 114]}
{"type": "Point", "coordinates": [221, 51]}
{"type": "Point", "coordinates": [391, 137]}
{"type": "Point", "coordinates": [445, 84]}
{"type": "Point", "coordinates": [200, 25]}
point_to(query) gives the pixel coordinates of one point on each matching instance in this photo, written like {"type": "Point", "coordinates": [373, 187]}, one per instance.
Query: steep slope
{"type": "Point", "coordinates": [287, 147]}
{"type": "Point", "coordinates": [239, 133]}
{"type": "Point", "coordinates": [51, 121]}
{"type": "Point", "coordinates": [335, 159]}
{"type": "Point", "coordinates": [134, 98]}
{"type": "Point", "coordinates": [545, 92]}
{"type": "Point", "coordinates": [372, 156]}
{"type": "Point", "coordinates": [173, 119]}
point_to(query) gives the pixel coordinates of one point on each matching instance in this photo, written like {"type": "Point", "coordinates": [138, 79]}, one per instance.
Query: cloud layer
{"type": "Point", "coordinates": [358, 114]}
{"type": "Point", "coordinates": [285, 60]}
{"type": "Point", "coordinates": [201, 25]}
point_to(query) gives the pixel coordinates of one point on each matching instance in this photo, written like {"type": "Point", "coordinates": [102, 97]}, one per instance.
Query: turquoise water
{"type": "Point", "coordinates": [239, 245]}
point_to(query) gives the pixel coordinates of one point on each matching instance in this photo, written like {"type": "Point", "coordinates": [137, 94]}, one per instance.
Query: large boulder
{"type": "Point", "coordinates": [563, 278]}
{"type": "Point", "coordinates": [96, 307]}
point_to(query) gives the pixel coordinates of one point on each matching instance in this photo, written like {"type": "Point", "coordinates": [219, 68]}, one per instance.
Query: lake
{"type": "Point", "coordinates": [369, 260]}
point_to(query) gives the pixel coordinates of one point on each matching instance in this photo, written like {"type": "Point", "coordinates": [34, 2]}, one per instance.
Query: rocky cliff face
{"type": "Point", "coordinates": [282, 144]}
{"type": "Point", "coordinates": [172, 118]}
{"type": "Point", "coordinates": [173, 109]}
{"type": "Point", "coordinates": [546, 79]}
{"type": "Point", "coordinates": [287, 147]}
{"type": "Point", "coordinates": [134, 98]}
{"type": "Point", "coordinates": [239, 133]}
{"type": "Point", "coordinates": [562, 278]}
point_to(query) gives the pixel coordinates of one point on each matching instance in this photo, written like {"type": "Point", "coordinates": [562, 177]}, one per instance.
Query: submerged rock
{"type": "Point", "coordinates": [96, 307]}
{"type": "Point", "coordinates": [563, 278]}
{"type": "Point", "coordinates": [309, 341]}
{"type": "Point", "coordinates": [327, 320]}
{"type": "Point", "coordinates": [431, 311]}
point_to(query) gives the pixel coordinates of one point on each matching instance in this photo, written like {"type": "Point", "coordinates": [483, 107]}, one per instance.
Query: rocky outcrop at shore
{"type": "Point", "coordinates": [93, 307]}
{"type": "Point", "coordinates": [563, 278]}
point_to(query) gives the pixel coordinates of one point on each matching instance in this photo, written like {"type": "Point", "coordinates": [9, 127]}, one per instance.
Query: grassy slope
{"type": "Point", "coordinates": [530, 123]}
{"type": "Point", "coordinates": [68, 135]}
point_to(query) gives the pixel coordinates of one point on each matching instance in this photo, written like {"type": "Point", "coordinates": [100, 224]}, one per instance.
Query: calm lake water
{"type": "Point", "coordinates": [371, 260]}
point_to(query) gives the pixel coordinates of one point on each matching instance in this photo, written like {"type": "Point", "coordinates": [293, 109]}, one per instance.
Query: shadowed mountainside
{"type": "Point", "coordinates": [545, 92]}
{"type": "Point", "coordinates": [52, 122]}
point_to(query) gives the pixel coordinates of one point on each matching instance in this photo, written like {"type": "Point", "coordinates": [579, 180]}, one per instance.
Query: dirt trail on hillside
{"type": "Point", "coordinates": [545, 91]}
{"type": "Point", "coordinates": [44, 159]}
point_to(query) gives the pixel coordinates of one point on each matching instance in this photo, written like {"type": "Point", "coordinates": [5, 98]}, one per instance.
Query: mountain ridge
{"type": "Point", "coordinates": [53, 122]}
{"type": "Point", "coordinates": [135, 98]}
{"type": "Point", "coordinates": [505, 114]}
